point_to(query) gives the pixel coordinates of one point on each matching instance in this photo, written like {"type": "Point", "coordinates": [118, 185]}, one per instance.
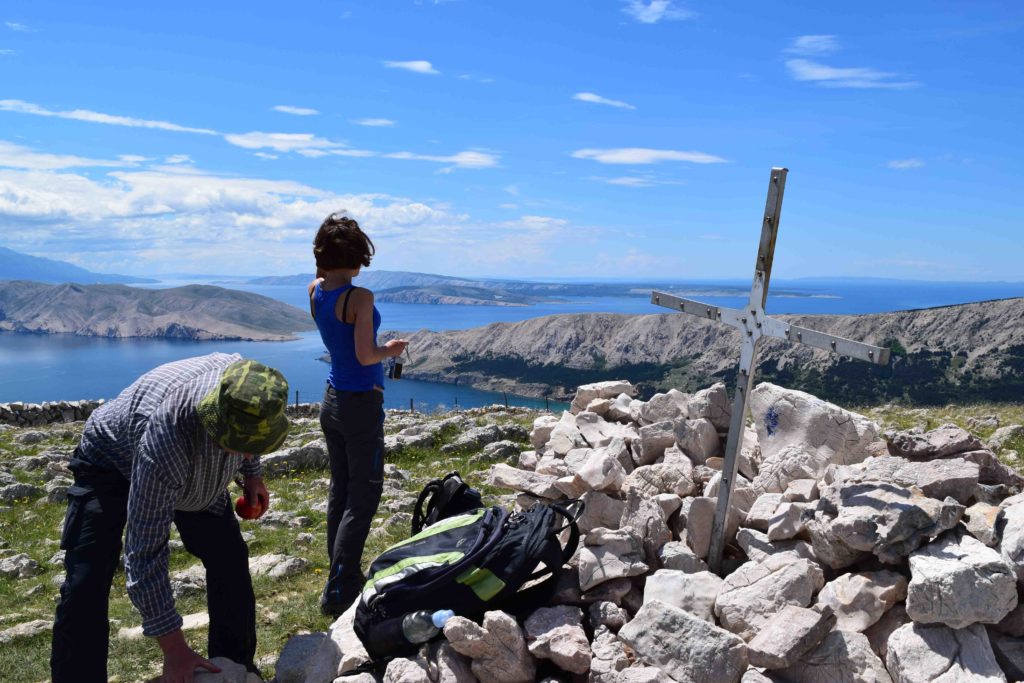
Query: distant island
{"type": "Point", "coordinates": [17, 266]}
{"type": "Point", "coordinates": [961, 353]}
{"type": "Point", "coordinates": [396, 286]}
{"type": "Point", "coordinates": [195, 312]}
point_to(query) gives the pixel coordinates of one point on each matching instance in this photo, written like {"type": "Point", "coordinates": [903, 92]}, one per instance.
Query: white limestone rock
{"type": "Point", "coordinates": [981, 521]}
{"type": "Point", "coordinates": [608, 657]}
{"type": "Point", "coordinates": [852, 521]}
{"type": "Point", "coordinates": [540, 485]}
{"type": "Point", "coordinates": [956, 580]}
{"type": "Point", "coordinates": [1011, 530]}
{"type": "Point", "coordinates": [403, 670]}
{"type": "Point", "coordinates": [757, 590]}
{"type": "Point", "coordinates": [938, 654]}
{"type": "Point", "coordinates": [788, 635]}
{"type": "Point", "coordinates": [944, 441]}
{"type": "Point", "coordinates": [541, 431]}
{"type": "Point", "coordinates": [588, 392]}
{"type": "Point", "coordinates": [711, 404]}
{"type": "Point", "coordinates": [607, 614]}
{"type": "Point", "coordinates": [695, 593]}
{"type": "Point", "coordinates": [610, 554]}
{"type": "Point", "coordinates": [699, 520]}
{"type": "Point", "coordinates": [801, 491]}
{"type": "Point", "coordinates": [685, 647]}
{"type": "Point", "coordinates": [452, 667]}
{"type": "Point", "coordinates": [842, 657]}
{"type": "Point", "coordinates": [25, 630]}
{"type": "Point", "coordinates": [602, 471]}
{"type": "Point", "coordinates": [600, 510]}
{"type": "Point", "coordinates": [663, 407]}
{"type": "Point", "coordinates": [859, 600]}
{"type": "Point", "coordinates": [556, 633]}
{"type": "Point", "coordinates": [800, 435]}
{"type": "Point", "coordinates": [758, 548]}
{"type": "Point", "coordinates": [645, 517]}
{"type": "Point", "coordinates": [497, 648]}
{"type": "Point", "coordinates": [697, 439]}
{"type": "Point", "coordinates": [677, 555]}
{"type": "Point", "coordinates": [19, 566]}
{"type": "Point", "coordinates": [761, 512]}
{"type": "Point", "coordinates": [954, 477]}
{"type": "Point", "coordinates": [650, 480]}
{"type": "Point", "coordinates": [788, 521]}
{"type": "Point", "coordinates": [654, 439]}
{"type": "Point", "coordinates": [878, 633]}
{"type": "Point", "coordinates": [277, 565]}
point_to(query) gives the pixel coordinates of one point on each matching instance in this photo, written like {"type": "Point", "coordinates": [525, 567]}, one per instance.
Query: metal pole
{"type": "Point", "coordinates": [733, 444]}
{"type": "Point", "coordinates": [547, 404]}
{"type": "Point", "coordinates": [412, 409]}
{"type": "Point", "coordinates": [506, 398]}
{"type": "Point", "coordinates": [296, 398]}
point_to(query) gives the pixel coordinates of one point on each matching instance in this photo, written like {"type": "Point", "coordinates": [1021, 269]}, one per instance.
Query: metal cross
{"type": "Point", "coordinates": [753, 326]}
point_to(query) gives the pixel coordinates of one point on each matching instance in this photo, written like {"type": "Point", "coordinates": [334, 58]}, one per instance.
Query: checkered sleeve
{"type": "Point", "coordinates": [252, 467]}
{"type": "Point", "coordinates": [158, 474]}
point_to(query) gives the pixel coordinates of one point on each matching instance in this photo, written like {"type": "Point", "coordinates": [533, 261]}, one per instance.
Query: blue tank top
{"type": "Point", "coordinates": [347, 373]}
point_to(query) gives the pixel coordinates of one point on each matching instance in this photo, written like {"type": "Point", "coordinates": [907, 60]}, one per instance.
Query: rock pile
{"type": "Point", "coordinates": [852, 555]}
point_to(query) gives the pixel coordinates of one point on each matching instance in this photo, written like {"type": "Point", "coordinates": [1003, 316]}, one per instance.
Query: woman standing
{"type": "Point", "coordinates": [352, 414]}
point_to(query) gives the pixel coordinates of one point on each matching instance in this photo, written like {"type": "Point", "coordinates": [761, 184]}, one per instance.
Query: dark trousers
{"type": "Point", "coordinates": [353, 424]}
{"type": "Point", "coordinates": [93, 526]}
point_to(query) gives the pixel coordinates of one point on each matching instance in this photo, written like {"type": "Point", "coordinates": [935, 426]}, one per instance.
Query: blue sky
{"type": "Point", "coordinates": [605, 139]}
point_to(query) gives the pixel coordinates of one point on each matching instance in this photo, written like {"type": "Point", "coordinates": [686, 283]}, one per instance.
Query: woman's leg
{"type": "Point", "coordinates": [362, 425]}
{"type": "Point", "coordinates": [337, 495]}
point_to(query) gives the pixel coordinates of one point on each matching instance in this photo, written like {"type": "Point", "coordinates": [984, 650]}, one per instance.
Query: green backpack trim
{"type": "Point", "coordinates": [441, 527]}
{"type": "Point", "coordinates": [483, 582]}
{"type": "Point", "coordinates": [410, 565]}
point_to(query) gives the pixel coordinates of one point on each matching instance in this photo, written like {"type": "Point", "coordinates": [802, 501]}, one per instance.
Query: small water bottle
{"type": "Point", "coordinates": [421, 626]}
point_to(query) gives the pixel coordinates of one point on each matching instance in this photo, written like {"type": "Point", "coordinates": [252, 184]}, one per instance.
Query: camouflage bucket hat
{"type": "Point", "coordinates": [246, 412]}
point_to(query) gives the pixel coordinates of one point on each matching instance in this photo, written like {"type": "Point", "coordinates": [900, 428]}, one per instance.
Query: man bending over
{"type": "Point", "coordinates": [165, 451]}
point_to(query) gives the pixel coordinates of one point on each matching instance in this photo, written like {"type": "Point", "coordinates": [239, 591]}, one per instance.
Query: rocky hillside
{"type": "Point", "coordinates": [194, 312]}
{"type": "Point", "coordinates": [961, 353]}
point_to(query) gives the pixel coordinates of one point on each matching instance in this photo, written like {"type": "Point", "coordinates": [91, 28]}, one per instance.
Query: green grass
{"type": "Point", "coordinates": [285, 607]}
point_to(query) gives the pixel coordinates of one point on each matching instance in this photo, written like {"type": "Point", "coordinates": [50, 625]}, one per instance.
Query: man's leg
{"type": "Point", "coordinates": [214, 537]}
{"type": "Point", "coordinates": [363, 427]}
{"type": "Point", "coordinates": [93, 526]}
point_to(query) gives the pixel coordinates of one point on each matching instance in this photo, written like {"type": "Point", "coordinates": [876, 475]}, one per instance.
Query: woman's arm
{"type": "Point", "coordinates": [310, 288]}
{"type": "Point", "coordinates": [367, 351]}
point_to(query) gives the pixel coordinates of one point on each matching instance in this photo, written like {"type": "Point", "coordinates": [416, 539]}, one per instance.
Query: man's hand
{"type": "Point", "coordinates": [256, 492]}
{"type": "Point", "coordinates": [180, 661]}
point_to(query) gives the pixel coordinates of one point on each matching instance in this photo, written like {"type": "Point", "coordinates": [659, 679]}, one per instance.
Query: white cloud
{"type": "Point", "coordinates": [643, 155]}
{"type": "Point", "coordinates": [653, 11]}
{"type": "Point", "coordinates": [296, 111]}
{"type": "Point", "coordinates": [419, 66]}
{"type": "Point", "coordinates": [512, 190]}
{"type": "Point", "coordinates": [637, 181]}
{"type": "Point", "coordinates": [813, 45]}
{"type": "Point", "coordinates": [905, 164]}
{"type": "Point", "coordinates": [856, 77]}
{"type": "Point", "coordinates": [303, 143]}
{"type": "Point", "coordinates": [178, 159]}
{"type": "Point", "coordinates": [15, 26]}
{"type": "Point", "coordinates": [16, 156]}
{"type": "Point", "coordinates": [23, 107]}
{"type": "Point", "coordinates": [597, 99]}
{"type": "Point", "coordinates": [374, 123]}
{"type": "Point", "coordinates": [466, 159]}
{"type": "Point", "coordinates": [264, 155]}
{"type": "Point", "coordinates": [475, 78]}
{"type": "Point", "coordinates": [7, 51]}
{"type": "Point", "coordinates": [133, 158]}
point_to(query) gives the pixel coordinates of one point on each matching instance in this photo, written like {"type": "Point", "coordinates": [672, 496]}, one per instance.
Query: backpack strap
{"type": "Point", "coordinates": [418, 516]}
{"type": "Point", "coordinates": [539, 594]}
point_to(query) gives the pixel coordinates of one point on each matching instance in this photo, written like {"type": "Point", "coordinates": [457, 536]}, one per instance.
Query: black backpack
{"type": "Point", "coordinates": [469, 563]}
{"type": "Point", "coordinates": [448, 497]}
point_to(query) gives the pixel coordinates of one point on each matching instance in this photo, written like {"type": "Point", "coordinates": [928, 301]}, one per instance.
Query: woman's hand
{"type": "Point", "coordinates": [395, 348]}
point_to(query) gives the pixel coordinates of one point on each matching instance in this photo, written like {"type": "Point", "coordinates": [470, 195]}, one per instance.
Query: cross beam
{"type": "Point", "coordinates": [754, 325]}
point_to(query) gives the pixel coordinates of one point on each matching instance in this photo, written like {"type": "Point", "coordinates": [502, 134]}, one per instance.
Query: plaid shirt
{"type": "Point", "coordinates": [151, 434]}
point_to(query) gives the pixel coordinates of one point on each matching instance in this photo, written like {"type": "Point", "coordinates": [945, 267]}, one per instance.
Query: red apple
{"type": "Point", "coordinates": [247, 510]}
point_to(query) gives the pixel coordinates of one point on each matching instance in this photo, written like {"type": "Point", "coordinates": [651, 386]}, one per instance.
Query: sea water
{"type": "Point", "coordinates": [36, 368]}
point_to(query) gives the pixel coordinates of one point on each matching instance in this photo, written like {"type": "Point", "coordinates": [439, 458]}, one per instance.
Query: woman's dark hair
{"type": "Point", "coordinates": [340, 243]}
